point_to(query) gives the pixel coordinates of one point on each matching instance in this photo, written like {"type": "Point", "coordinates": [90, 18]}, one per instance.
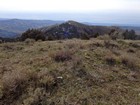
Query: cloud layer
{"type": "Point", "coordinates": [69, 5]}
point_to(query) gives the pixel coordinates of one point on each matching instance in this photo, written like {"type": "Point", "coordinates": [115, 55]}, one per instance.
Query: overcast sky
{"type": "Point", "coordinates": [82, 10]}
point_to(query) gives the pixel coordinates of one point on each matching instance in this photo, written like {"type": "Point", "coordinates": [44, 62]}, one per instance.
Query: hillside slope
{"type": "Point", "coordinates": [70, 72]}
{"type": "Point", "coordinates": [19, 26]}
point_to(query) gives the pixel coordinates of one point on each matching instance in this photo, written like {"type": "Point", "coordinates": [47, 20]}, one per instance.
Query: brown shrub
{"type": "Point", "coordinates": [59, 41]}
{"type": "Point", "coordinates": [70, 45]}
{"type": "Point", "coordinates": [76, 60]}
{"type": "Point", "coordinates": [1, 90]}
{"type": "Point", "coordinates": [135, 45]}
{"type": "Point", "coordinates": [12, 79]}
{"type": "Point", "coordinates": [95, 44]}
{"type": "Point", "coordinates": [8, 47]}
{"type": "Point", "coordinates": [131, 50]}
{"type": "Point", "coordinates": [116, 52]}
{"type": "Point", "coordinates": [35, 97]}
{"type": "Point", "coordinates": [62, 56]}
{"type": "Point", "coordinates": [104, 37]}
{"type": "Point", "coordinates": [13, 85]}
{"type": "Point", "coordinates": [111, 59]}
{"type": "Point", "coordinates": [29, 41]}
{"type": "Point", "coordinates": [131, 62]}
{"type": "Point", "coordinates": [110, 44]}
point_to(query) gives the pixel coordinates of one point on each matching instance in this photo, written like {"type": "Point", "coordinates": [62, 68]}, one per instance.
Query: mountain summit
{"type": "Point", "coordinates": [73, 29]}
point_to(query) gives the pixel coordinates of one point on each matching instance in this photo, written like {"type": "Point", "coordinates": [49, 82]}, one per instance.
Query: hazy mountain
{"type": "Point", "coordinates": [7, 34]}
{"type": "Point", "coordinates": [123, 26]}
{"type": "Point", "coordinates": [3, 19]}
{"type": "Point", "coordinates": [18, 26]}
{"type": "Point", "coordinates": [72, 29]}
{"type": "Point", "coordinates": [137, 29]}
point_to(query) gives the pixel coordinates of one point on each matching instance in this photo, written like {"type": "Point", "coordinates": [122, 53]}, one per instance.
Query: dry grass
{"type": "Point", "coordinates": [70, 72]}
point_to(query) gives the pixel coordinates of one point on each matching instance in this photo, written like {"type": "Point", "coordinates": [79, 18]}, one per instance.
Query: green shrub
{"type": "Point", "coordinates": [33, 34]}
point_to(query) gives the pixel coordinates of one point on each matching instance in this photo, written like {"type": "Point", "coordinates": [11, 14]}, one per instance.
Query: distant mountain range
{"type": "Point", "coordinates": [136, 28]}
{"type": "Point", "coordinates": [14, 27]}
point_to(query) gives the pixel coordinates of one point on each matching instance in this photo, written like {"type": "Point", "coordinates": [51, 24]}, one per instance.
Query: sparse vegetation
{"type": "Point", "coordinates": [99, 71]}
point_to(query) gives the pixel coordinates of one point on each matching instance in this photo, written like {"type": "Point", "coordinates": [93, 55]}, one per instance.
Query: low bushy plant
{"type": "Point", "coordinates": [62, 56]}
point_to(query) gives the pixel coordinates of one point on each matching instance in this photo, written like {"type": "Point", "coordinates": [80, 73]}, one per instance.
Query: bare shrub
{"type": "Point", "coordinates": [60, 41]}
{"type": "Point", "coordinates": [29, 41]}
{"type": "Point", "coordinates": [104, 37]}
{"type": "Point", "coordinates": [76, 60]}
{"type": "Point", "coordinates": [131, 50]}
{"type": "Point", "coordinates": [70, 45]}
{"type": "Point", "coordinates": [131, 62]}
{"type": "Point", "coordinates": [110, 44]}
{"type": "Point", "coordinates": [8, 47]}
{"type": "Point", "coordinates": [48, 81]}
{"type": "Point", "coordinates": [62, 56]}
{"type": "Point", "coordinates": [39, 40]}
{"type": "Point", "coordinates": [135, 45]}
{"type": "Point", "coordinates": [111, 59]}
{"type": "Point", "coordinates": [34, 97]}
{"type": "Point", "coordinates": [14, 83]}
{"type": "Point", "coordinates": [1, 90]}
{"type": "Point", "coordinates": [116, 52]}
